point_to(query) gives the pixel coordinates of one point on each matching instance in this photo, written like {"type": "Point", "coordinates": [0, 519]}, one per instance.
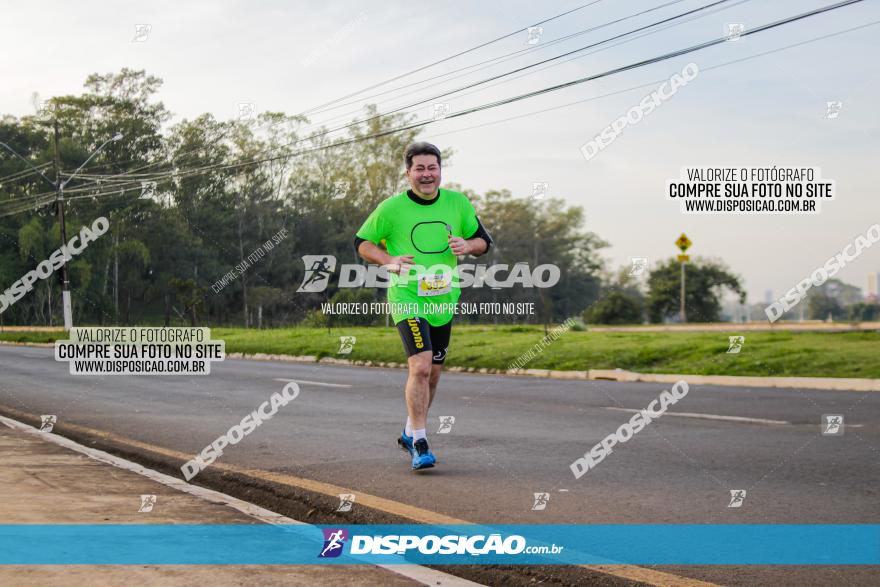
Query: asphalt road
{"type": "Point", "coordinates": [512, 437]}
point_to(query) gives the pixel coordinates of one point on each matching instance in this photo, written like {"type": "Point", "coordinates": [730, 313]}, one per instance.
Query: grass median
{"type": "Point", "coordinates": [773, 354]}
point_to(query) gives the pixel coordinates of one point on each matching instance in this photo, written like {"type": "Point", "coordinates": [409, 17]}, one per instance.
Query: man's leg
{"type": "Point", "coordinates": [416, 336]}
{"type": "Point", "coordinates": [418, 389]}
{"type": "Point", "coordinates": [418, 398]}
{"type": "Point", "coordinates": [433, 381]}
{"type": "Point", "coordinates": [440, 337]}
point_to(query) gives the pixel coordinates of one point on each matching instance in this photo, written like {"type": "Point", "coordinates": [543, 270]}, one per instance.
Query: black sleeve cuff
{"type": "Point", "coordinates": [357, 243]}
{"type": "Point", "coordinates": [483, 234]}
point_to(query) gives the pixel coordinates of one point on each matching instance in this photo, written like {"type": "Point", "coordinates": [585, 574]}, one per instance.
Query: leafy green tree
{"type": "Point", "coordinates": [864, 312]}
{"type": "Point", "coordinates": [132, 258]}
{"type": "Point", "coordinates": [539, 232]}
{"type": "Point", "coordinates": [222, 190]}
{"type": "Point", "coordinates": [35, 244]}
{"type": "Point", "coordinates": [820, 306]}
{"type": "Point", "coordinates": [705, 281]}
{"type": "Point", "coordinates": [616, 307]}
{"type": "Point", "coordinates": [191, 296]}
{"type": "Point", "coordinates": [620, 302]}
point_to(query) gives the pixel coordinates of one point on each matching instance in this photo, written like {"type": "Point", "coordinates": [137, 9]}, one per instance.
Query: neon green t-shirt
{"type": "Point", "coordinates": [412, 226]}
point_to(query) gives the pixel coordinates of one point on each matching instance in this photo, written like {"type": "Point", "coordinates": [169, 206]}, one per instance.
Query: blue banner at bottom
{"type": "Point", "coordinates": [643, 544]}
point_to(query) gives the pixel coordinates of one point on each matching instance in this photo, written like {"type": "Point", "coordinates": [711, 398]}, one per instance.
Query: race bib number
{"type": "Point", "coordinates": [435, 285]}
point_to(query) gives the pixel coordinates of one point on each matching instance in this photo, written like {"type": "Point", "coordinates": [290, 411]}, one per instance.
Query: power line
{"type": "Point", "coordinates": [503, 57]}
{"type": "Point", "coordinates": [451, 57]}
{"type": "Point", "coordinates": [654, 83]}
{"type": "Point", "coordinates": [619, 43]}
{"type": "Point", "coordinates": [23, 173]}
{"type": "Point", "coordinates": [663, 57]}
{"type": "Point", "coordinates": [358, 122]}
{"type": "Point", "coordinates": [495, 104]}
{"type": "Point", "coordinates": [644, 34]}
{"type": "Point", "coordinates": [20, 205]}
{"type": "Point", "coordinates": [180, 156]}
{"type": "Point", "coordinates": [523, 68]}
{"type": "Point", "coordinates": [445, 59]}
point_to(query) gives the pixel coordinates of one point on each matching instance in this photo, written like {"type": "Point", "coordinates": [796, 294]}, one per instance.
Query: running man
{"type": "Point", "coordinates": [424, 229]}
{"type": "Point", "coordinates": [320, 272]}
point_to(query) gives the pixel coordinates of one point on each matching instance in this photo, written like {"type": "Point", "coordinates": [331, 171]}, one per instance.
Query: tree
{"type": "Point", "coordinates": [221, 190]}
{"type": "Point", "coordinates": [35, 243]}
{"type": "Point", "coordinates": [831, 299]}
{"type": "Point", "coordinates": [535, 232]}
{"type": "Point", "coordinates": [615, 307]}
{"type": "Point", "coordinates": [864, 312]}
{"type": "Point", "coordinates": [621, 301]}
{"type": "Point", "coordinates": [131, 259]}
{"type": "Point", "coordinates": [265, 298]}
{"type": "Point", "coordinates": [191, 297]}
{"type": "Point", "coordinates": [704, 283]}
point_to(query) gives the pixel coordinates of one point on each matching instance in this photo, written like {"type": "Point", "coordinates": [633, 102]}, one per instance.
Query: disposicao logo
{"type": "Point", "coordinates": [334, 540]}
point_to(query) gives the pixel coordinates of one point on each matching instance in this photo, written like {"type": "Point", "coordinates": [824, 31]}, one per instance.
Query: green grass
{"type": "Point", "coordinates": [37, 336]}
{"type": "Point", "coordinates": [781, 353]}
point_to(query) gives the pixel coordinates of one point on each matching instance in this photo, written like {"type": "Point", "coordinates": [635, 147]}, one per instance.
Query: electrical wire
{"type": "Point", "coordinates": [497, 103]}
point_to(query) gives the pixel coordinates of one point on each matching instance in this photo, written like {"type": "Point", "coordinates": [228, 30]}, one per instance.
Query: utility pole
{"type": "Point", "coordinates": [683, 243]}
{"type": "Point", "coordinates": [681, 305]}
{"type": "Point", "coordinates": [59, 201]}
{"type": "Point", "coordinates": [58, 186]}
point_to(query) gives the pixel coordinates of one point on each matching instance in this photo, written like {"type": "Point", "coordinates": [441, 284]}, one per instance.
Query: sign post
{"type": "Point", "coordinates": [683, 243]}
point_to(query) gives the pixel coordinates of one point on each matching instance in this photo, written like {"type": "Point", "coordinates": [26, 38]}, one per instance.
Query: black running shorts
{"type": "Point", "coordinates": [419, 336]}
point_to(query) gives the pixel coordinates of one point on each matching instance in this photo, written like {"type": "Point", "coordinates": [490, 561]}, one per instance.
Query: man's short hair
{"type": "Point", "coordinates": [420, 148]}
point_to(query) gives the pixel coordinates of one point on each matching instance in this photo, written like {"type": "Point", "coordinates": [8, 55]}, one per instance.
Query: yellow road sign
{"type": "Point", "coordinates": [683, 242]}
{"type": "Point", "coordinates": [684, 258]}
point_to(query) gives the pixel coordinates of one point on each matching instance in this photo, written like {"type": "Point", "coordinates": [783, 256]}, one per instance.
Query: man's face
{"type": "Point", "coordinates": [424, 175]}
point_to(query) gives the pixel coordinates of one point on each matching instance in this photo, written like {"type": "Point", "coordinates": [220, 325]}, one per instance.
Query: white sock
{"type": "Point", "coordinates": [420, 433]}
{"type": "Point", "coordinates": [408, 429]}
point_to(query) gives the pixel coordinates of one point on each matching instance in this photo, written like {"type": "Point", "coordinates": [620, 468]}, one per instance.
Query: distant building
{"type": "Point", "coordinates": [768, 296]}
{"type": "Point", "coordinates": [873, 286]}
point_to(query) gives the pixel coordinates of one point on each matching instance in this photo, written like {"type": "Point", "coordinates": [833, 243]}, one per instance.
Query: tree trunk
{"type": "Point", "coordinates": [194, 301]}
{"type": "Point", "coordinates": [116, 279]}
{"type": "Point", "coordinates": [106, 277]}
{"type": "Point", "coordinates": [243, 277]}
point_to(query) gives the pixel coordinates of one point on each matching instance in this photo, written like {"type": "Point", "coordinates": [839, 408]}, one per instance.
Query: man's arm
{"type": "Point", "coordinates": [373, 253]}
{"type": "Point", "coordinates": [477, 245]}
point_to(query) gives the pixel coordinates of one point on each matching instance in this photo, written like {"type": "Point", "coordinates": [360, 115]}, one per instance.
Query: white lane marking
{"type": "Point", "coordinates": [708, 416]}
{"type": "Point", "coordinates": [417, 573]}
{"type": "Point", "coordinates": [312, 382]}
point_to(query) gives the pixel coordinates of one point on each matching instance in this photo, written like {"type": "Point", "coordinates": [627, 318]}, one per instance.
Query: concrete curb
{"type": "Point", "coordinates": [50, 345]}
{"type": "Point", "coordinates": [734, 327]}
{"type": "Point", "coordinates": [825, 383]}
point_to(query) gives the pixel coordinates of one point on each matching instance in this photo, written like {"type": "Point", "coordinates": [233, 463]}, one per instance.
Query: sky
{"type": "Point", "coordinates": [765, 111]}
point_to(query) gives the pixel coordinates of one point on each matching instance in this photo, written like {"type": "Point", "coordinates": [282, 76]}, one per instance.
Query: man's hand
{"type": "Point", "coordinates": [459, 246]}
{"type": "Point", "coordinates": [400, 264]}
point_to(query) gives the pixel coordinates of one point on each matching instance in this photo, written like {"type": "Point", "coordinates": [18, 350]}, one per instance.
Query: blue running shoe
{"type": "Point", "coordinates": [423, 458]}
{"type": "Point", "coordinates": [406, 442]}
